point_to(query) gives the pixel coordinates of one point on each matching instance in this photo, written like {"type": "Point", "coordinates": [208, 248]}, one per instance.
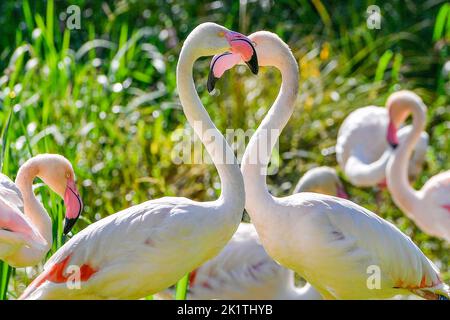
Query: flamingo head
{"type": "Point", "coordinates": [209, 38]}
{"type": "Point", "coordinates": [57, 172]}
{"type": "Point", "coordinates": [270, 49]}
{"type": "Point", "coordinates": [323, 180]}
{"type": "Point", "coordinates": [399, 106]}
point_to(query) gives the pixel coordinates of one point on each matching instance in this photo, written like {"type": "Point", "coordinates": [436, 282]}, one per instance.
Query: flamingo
{"type": "Point", "coordinates": [146, 248]}
{"type": "Point", "coordinates": [429, 207]}
{"type": "Point", "coordinates": [25, 226]}
{"type": "Point", "coordinates": [243, 269]}
{"type": "Point", "coordinates": [342, 249]}
{"type": "Point", "coordinates": [362, 151]}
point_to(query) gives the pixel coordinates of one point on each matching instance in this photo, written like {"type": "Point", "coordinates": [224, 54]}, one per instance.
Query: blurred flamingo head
{"type": "Point", "coordinates": [399, 106]}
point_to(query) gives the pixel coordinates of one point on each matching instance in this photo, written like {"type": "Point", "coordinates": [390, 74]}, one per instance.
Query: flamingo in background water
{"type": "Point", "coordinates": [25, 226]}
{"type": "Point", "coordinates": [429, 207]}
{"type": "Point", "coordinates": [333, 243]}
{"type": "Point", "coordinates": [243, 269]}
{"type": "Point", "coordinates": [362, 151]}
{"type": "Point", "coordinates": [148, 247]}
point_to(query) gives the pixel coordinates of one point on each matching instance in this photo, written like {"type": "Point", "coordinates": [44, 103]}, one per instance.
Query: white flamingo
{"type": "Point", "coordinates": [148, 247]}
{"type": "Point", "coordinates": [362, 151]}
{"type": "Point", "coordinates": [25, 226]}
{"type": "Point", "coordinates": [429, 207]}
{"type": "Point", "coordinates": [333, 243]}
{"type": "Point", "coordinates": [243, 270]}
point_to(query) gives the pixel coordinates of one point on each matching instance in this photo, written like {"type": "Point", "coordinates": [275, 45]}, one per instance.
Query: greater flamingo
{"type": "Point", "coordinates": [243, 270]}
{"type": "Point", "coordinates": [362, 151]}
{"type": "Point", "coordinates": [148, 247]}
{"type": "Point", "coordinates": [429, 207]}
{"type": "Point", "coordinates": [25, 226]}
{"type": "Point", "coordinates": [338, 246]}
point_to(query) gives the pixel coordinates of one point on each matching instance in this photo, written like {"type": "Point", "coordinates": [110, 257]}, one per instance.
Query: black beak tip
{"type": "Point", "coordinates": [394, 145]}
{"type": "Point", "coordinates": [68, 225]}
{"type": "Point", "coordinates": [211, 84]}
{"type": "Point", "coordinates": [253, 64]}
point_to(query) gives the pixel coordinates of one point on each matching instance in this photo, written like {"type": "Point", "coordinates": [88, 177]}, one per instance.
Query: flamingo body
{"type": "Point", "coordinates": [132, 252]}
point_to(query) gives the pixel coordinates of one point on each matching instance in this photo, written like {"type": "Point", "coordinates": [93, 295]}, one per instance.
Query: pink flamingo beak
{"type": "Point", "coordinates": [241, 49]}
{"type": "Point", "coordinates": [74, 205]}
{"type": "Point", "coordinates": [341, 192]}
{"type": "Point", "coordinates": [243, 46]}
{"type": "Point", "coordinates": [392, 135]}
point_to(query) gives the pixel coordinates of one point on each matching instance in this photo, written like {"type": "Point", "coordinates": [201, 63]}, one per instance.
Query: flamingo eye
{"type": "Point", "coordinates": [221, 34]}
{"type": "Point", "coordinates": [68, 175]}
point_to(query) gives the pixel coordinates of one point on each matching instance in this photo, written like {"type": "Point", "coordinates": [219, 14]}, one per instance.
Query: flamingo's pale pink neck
{"type": "Point", "coordinates": [367, 174]}
{"type": "Point", "coordinates": [259, 149]}
{"type": "Point", "coordinates": [397, 170]}
{"type": "Point", "coordinates": [232, 184]}
{"type": "Point", "coordinates": [32, 207]}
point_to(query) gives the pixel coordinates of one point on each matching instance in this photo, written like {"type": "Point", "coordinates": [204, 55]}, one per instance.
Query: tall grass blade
{"type": "Point", "coordinates": [181, 288]}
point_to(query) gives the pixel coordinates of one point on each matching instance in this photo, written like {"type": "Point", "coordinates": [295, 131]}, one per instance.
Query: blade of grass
{"type": "Point", "coordinates": [382, 65]}
{"type": "Point", "coordinates": [27, 15]}
{"type": "Point", "coordinates": [438, 31]}
{"type": "Point", "coordinates": [181, 288]}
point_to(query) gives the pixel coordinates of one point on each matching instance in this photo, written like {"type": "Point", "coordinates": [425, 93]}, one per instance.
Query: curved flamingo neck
{"type": "Point", "coordinates": [33, 209]}
{"type": "Point", "coordinates": [397, 170]}
{"type": "Point", "coordinates": [367, 174]}
{"type": "Point", "coordinates": [258, 152]}
{"type": "Point", "coordinates": [232, 183]}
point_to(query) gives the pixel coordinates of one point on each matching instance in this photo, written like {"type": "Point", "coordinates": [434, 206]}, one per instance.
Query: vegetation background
{"type": "Point", "coordinates": [104, 95]}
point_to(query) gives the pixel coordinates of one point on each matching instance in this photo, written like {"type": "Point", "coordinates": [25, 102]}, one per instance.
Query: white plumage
{"type": "Point", "coordinates": [243, 269]}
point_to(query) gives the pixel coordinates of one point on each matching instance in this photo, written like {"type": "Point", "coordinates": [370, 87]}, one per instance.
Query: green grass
{"type": "Point", "coordinates": [105, 96]}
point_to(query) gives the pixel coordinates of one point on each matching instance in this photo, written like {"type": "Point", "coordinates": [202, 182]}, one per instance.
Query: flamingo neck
{"type": "Point", "coordinates": [232, 183]}
{"type": "Point", "coordinates": [258, 152]}
{"type": "Point", "coordinates": [33, 209]}
{"type": "Point", "coordinates": [367, 174]}
{"type": "Point", "coordinates": [397, 170]}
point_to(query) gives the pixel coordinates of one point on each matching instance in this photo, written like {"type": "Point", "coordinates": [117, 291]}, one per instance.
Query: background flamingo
{"type": "Point", "coordinates": [429, 207]}
{"type": "Point", "coordinates": [362, 151]}
{"type": "Point", "coordinates": [331, 242]}
{"type": "Point", "coordinates": [25, 226]}
{"type": "Point", "coordinates": [146, 248]}
{"type": "Point", "coordinates": [324, 180]}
